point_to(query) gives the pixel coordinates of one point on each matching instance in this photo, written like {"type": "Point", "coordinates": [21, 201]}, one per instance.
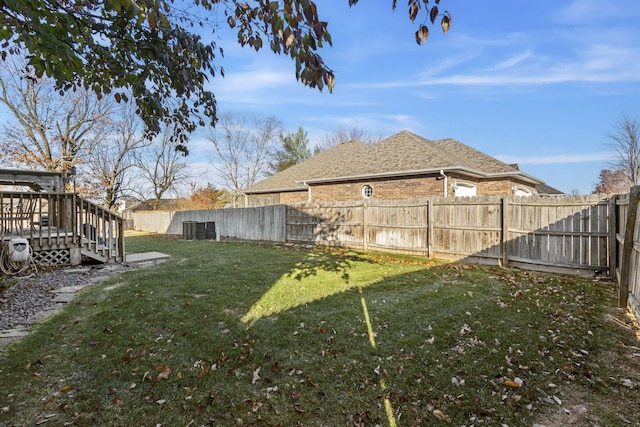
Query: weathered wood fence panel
{"type": "Point", "coordinates": [398, 226]}
{"type": "Point", "coordinates": [561, 233]}
{"type": "Point", "coordinates": [566, 233]}
{"type": "Point", "coordinates": [628, 243]}
{"type": "Point", "coordinates": [621, 211]}
{"type": "Point", "coordinates": [464, 227]}
{"type": "Point", "coordinates": [262, 224]}
{"type": "Point", "coordinates": [340, 224]}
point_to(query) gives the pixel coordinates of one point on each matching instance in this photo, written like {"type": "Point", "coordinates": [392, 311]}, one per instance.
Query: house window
{"type": "Point", "coordinates": [522, 192]}
{"type": "Point", "coordinates": [464, 189]}
{"type": "Point", "coordinates": [367, 191]}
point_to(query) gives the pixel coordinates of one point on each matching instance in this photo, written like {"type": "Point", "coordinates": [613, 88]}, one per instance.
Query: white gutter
{"type": "Point", "coordinates": [308, 190]}
{"type": "Point", "coordinates": [445, 182]}
{"type": "Point", "coordinates": [461, 169]}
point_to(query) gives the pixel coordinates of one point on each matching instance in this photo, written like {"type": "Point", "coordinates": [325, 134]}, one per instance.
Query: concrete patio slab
{"type": "Point", "coordinates": [147, 256]}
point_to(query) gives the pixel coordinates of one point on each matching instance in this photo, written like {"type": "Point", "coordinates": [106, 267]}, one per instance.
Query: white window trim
{"type": "Point", "coordinates": [367, 189]}
{"type": "Point", "coordinates": [527, 192]}
{"type": "Point", "coordinates": [464, 184]}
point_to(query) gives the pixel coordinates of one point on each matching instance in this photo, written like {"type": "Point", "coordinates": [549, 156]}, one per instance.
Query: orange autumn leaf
{"type": "Point", "coordinates": [510, 383]}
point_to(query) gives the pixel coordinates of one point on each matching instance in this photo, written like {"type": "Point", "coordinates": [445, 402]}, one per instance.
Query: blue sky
{"type": "Point", "coordinates": [540, 83]}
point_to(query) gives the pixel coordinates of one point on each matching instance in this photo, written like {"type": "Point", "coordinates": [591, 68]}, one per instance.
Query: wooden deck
{"type": "Point", "coordinates": [61, 228]}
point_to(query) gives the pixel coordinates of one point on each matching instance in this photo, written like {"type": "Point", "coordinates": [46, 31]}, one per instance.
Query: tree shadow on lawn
{"type": "Point", "coordinates": [454, 343]}
{"type": "Point", "coordinates": [321, 274]}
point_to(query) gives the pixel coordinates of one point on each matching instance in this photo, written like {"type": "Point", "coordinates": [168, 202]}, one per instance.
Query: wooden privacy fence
{"type": "Point", "coordinates": [551, 233]}
{"type": "Point", "coordinates": [265, 223]}
{"type": "Point", "coordinates": [626, 252]}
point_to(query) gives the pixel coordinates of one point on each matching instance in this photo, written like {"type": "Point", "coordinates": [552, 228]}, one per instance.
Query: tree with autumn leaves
{"type": "Point", "coordinates": [149, 51]}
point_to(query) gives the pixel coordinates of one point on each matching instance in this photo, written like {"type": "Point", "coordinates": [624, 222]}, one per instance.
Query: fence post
{"type": "Point", "coordinates": [627, 248]}
{"type": "Point", "coordinates": [504, 237]}
{"type": "Point", "coordinates": [612, 244]}
{"type": "Point", "coordinates": [365, 228]}
{"type": "Point", "coordinates": [429, 228]}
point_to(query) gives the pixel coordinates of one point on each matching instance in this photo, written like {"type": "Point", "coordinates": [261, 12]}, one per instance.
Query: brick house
{"type": "Point", "coordinates": [403, 166]}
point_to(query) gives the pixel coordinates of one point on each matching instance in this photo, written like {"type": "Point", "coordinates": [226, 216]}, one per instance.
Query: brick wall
{"type": "Point", "coordinates": [291, 197]}
{"type": "Point", "coordinates": [489, 187]}
{"type": "Point", "coordinates": [388, 189]}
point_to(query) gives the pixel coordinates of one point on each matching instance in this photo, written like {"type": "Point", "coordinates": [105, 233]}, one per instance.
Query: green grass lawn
{"type": "Point", "coordinates": [243, 334]}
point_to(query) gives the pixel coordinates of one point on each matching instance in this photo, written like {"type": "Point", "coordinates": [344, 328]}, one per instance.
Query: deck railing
{"type": "Point", "coordinates": [102, 231]}
{"type": "Point", "coordinates": [55, 221]}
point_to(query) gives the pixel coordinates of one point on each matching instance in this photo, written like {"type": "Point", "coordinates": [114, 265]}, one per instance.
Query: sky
{"type": "Point", "coordinates": [542, 84]}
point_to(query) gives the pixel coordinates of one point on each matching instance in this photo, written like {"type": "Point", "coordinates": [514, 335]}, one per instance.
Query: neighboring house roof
{"type": "Point", "coordinates": [547, 190]}
{"type": "Point", "coordinates": [148, 205]}
{"type": "Point", "coordinates": [402, 154]}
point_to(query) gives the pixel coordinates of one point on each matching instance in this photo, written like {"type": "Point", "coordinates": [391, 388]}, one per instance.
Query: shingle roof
{"type": "Point", "coordinates": [406, 151]}
{"type": "Point", "coordinates": [546, 190]}
{"type": "Point", "coordinates": [401, 154]}
{"type": "Point", "coordinates": [337, 161]}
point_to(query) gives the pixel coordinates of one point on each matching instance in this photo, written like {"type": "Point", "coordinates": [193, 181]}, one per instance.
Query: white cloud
{"type": "Point", "coordinates": [605, 63]}
{"type": "Point", "coordinates": [557, 158]}
{"type": "Point", "coordinates": [583, 11]}
{"type": "Point", "coordinates": [246, 86]}
{"type": "Point", "coordinates": [374, 124]}
{"type": "Point", "coordinates": [513, 61]}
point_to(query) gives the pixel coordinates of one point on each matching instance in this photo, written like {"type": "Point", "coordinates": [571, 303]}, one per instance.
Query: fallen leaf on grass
{"type": "Point", "coordinates": [441, 415]}
{"type": "Point", "coordinates": [204, 371]}
{"type": "Point", "coordinates": [163, 372]}
{"type": "Point", "coordinates": [256, 375]}
{"type": "Point", "coordinates": [457, 381]}
{"type": "Point", "coordinates": [517, 382]}
{"type": "Point", "coordinates": [628, 383]}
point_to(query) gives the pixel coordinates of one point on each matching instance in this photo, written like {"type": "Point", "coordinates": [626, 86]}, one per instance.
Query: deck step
{"type": "Point", "coordinates": [94, 255]}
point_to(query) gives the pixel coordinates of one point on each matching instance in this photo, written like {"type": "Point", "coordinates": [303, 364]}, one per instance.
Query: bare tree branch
{"type": "Point", "coordinates": [111, 162]}
{"type": "Point", "coordinates": [242, 146]}
{"type": "Point", "coordinates": [626, 142]}
{"type": "Point", "coordinates": [49, 131]}
{"type": "Point", "coordinates": [161, 169]}
{"type": "Point", "coordinates": [344, 135]}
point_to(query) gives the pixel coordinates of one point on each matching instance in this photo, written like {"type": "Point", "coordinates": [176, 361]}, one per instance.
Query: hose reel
{"type": "Point", "coordinates": [16, 256]}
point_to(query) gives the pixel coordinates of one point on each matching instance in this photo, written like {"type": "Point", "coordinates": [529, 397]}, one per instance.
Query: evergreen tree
{"type": "Point", "coordinates": [294, 150]}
